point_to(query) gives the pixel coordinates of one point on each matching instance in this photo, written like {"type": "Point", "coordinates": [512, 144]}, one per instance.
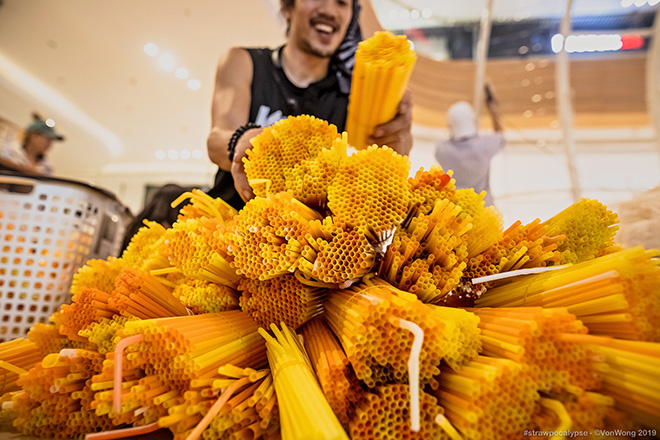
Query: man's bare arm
{"type": "Point", "coordinates": [396, 133]}
{"type": "Point", "coordinates": [231, 103]}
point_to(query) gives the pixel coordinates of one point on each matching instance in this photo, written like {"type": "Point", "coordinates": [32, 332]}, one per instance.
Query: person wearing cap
{"type": "Point", "coordinates": [37, 141]}
{"type": "Point", "coordinates": [468, 153]}
{"type": "Point", "coordinates": [310, 74]}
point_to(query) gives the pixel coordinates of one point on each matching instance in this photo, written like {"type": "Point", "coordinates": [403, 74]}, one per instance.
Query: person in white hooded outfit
{"type": "Point", "coordinates": [467, 153]}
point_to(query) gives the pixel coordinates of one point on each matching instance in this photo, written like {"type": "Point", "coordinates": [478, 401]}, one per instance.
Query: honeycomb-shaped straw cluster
{"type": "Point", "coordinates": [281, 299]}
{"type": "Point", "coordinates": [366, 320]}
{"type": "Point", "coordinates": [205, 297]}
{"type": "Point", "coordinates": [261, 241]}
{"type": "Point", "coordinates": [588, 226]}
{"type": "Point", "coordinates": [385, 415]}
{"type": "Point", "coordinates": [336, 254]}
{"type": "Point", "coordinates": [282, 146]}
{"type": "Point", "coordinates": [309, 180]}
{"type": "Point", "coordinates": [371, 191]}
{"type": "Point", "coordinates": [427, 256]}
{"type": "Point", "coordinates": [251, 412]}
{"type": "Point", "coordinates": [535, 336]}
{"type": "Point", "coordinates": [56, 399]}
{"type": "Point", "coordinates": [488, 398]}
{"type": "Point", "coordinates": [338, 382]}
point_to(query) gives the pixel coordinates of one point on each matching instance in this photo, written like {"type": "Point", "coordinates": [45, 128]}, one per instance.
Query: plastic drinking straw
{"type": "Point", "coordinates": [118, 369]}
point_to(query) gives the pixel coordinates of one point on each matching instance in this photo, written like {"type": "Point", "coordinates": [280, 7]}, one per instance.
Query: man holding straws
{"type": "Point", "coordinates": [309, 74]}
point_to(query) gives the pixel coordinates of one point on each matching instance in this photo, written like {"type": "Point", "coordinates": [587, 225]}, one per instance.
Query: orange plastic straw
{"type": "Point", "coordinates": [122, 433]}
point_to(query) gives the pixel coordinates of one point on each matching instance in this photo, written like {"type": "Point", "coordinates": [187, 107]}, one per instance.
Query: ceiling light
{"type": "Point", "coordinates": [426, 12]}
{"type": "Point", "coordinates": [194, 84]}
{"type": "Point", "coordinates": [181, 73]}
{"type": "Point", "coordinates": [393, 14]}
{"type": "Point", "coordinates": [627, 3]}
{"type": "Point", "coordinates": [167, 61]}
{"type": "Point", "coordinates": [160, 155]}
{"type": "Point", "coordinates": [640, 3]}
{"type": "Point", "coordinates": [405, 14]}
{"type": "Point", "coordinates": [197, 153]}
{"type": "Point", "coordinates": [173, 154]}
{"type": "Point", "coordinates": [414, 14]}
{"type": "Point", "coordinates": [185, 154]}
{"type": "Point", "coordinates": [653, 2]}
{"type": "Point", "coordinates": [151, 49]}
{"type": "Point", "coordinates": [50, 123]}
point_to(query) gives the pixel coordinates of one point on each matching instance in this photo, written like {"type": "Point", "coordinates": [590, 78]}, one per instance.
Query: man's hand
{"type": "Point", "coordinates": [396, 133]}
{"type": "Point", "coordinates": [237, 167]}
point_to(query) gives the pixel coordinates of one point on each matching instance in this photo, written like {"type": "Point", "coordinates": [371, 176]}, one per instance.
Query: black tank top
{"type": "Point", "coordinates": [274, 97]}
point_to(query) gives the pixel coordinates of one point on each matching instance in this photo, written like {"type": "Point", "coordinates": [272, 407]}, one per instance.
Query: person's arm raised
{"type": "Point", "coordinates": [231, 104]}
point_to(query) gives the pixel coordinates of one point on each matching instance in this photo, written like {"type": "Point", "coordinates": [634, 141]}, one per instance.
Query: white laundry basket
{"type": "Point", "coordinates": [49, 227]}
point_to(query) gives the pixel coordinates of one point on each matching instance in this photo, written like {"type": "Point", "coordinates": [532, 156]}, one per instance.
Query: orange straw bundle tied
{"type": "Point", "coordinates": [191, 347]}
{"type": "Point", "coordinates": [332, 369]}
{"type": "Point", "coordinates": [16, 357]}
{"type": "Point", "coordinates": [250, 411]}
{"type": "Point", "coordinates": [534, 336]}
{"type": "Point", "coordinates": [56, 402]}
{"type": "Point", "coordinates": [88, 306]}
{"type": "Point", "coordinates": [427, 254]}
{"type": "Point", "coordinates": [142, 295]}
{"type": "Point", "coordinates": [304, 410]}
{"type": "Point", "coordinates": [281, 299]}
{"type": "Point", "coordinates": [612, 295]}
{"type": "Point", "coordinates": [384, 414]}
{"type": "Point", "coordinates": [99, 274]}
{"type": "Point", "coordinates": [383, 65]}
{"type": "Point", "coordinates": [488, 398]}
{"type": "Point", "coordinates": [282, 146]}
{"type": "Point", "coordinates": [371, 191]}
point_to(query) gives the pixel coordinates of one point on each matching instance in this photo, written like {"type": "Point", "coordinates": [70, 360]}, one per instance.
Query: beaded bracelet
{"type": "Point", "coordinates": [236, 136]}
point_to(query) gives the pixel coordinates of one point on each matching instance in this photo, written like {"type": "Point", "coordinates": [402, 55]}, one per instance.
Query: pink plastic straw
{"type": "Point", "coordinates": [119, 356]}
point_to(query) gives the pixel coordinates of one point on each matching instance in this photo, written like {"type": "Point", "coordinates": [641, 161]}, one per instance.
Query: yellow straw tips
{"type": "Point", "coordinates": [284, 145]}
{"type": "Point", "coordinates": [304, 410]}
{"type": "Point", "coordinates": [383, 65]}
